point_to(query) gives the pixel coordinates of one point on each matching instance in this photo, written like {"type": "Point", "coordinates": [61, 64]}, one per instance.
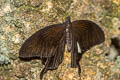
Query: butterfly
{"type": "Point", "coordinates": [49, 43]}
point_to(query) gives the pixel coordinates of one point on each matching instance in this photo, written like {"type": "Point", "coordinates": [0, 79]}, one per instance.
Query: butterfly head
{"type": "Point", "coordinates": [67, 18]}
{"type": "Point", "coordinates": [68, 22]}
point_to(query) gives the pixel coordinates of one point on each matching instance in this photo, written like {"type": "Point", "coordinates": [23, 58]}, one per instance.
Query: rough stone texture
{"type": "Point", "coordinates": [21, 18]}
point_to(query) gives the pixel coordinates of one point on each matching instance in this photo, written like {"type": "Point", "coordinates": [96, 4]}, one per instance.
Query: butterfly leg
{"type": "Point", "coordinates": [45, 68]}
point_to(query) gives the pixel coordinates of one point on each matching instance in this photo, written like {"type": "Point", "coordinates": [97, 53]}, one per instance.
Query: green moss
{"type": "Point", "coordinates": [4, 60]}
{"type": "Point", "coordinates": [117, 63]}
{"type": "Point", "coordinates": [111, 10]}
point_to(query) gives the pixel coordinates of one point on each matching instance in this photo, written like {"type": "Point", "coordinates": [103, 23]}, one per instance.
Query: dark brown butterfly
{"type": "Point", "coordinates": [49, 43]}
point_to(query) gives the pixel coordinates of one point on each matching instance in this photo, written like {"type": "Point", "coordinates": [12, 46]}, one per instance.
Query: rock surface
{"type": "Point", "coordinates": [21, 18]}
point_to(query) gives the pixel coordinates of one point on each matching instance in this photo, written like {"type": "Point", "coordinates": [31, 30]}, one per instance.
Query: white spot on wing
{"type": "Point", "coordinates": [66, 30]}
{"type": "Point", "coordinates": [79, 49]}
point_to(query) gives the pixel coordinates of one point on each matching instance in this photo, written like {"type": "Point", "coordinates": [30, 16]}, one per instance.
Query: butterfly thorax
{"type": "Point", "coordinates": [68, 30]}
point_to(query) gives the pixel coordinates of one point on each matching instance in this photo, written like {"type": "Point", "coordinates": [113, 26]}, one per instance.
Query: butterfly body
{"type": "Point", "coordinates": [68, 27]}
{"type": "Point", "coordinates": [49, 43]}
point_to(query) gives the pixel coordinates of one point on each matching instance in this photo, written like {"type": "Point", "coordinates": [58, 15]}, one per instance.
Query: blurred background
{"type": "Point", "coordinates": [19, 19]}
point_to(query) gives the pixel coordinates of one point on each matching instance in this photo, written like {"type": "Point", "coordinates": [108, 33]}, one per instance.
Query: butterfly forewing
{"type": "Point", "coordinates": [43, 43]}
{"type": "Point", "coordinates": [87, 33]}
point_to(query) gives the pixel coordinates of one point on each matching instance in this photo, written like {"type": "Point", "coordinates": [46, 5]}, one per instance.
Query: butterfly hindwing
{"type": "Point", "coordinates": [58, 57]}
